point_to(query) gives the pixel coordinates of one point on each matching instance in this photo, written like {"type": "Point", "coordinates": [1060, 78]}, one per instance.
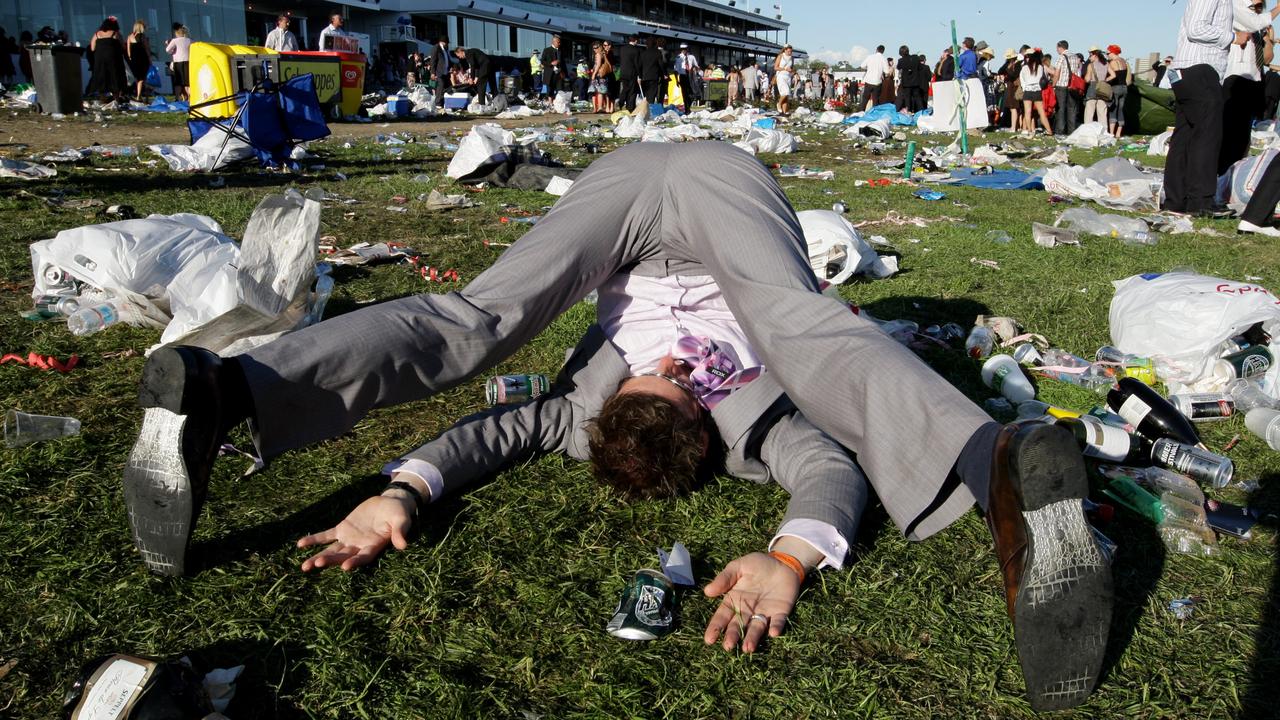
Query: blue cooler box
{"type": "Point", "coordinates": [456, 101]}
{"type": "Point", "coordinates": [399, 106]}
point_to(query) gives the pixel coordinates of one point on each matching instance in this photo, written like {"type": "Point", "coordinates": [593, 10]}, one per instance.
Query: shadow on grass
{"type": "Point", "coordinates": [1262, 694]}
{"type": "Point", "coordinates": [273, 673]}
{"type": "Point", "coordinates": [1136, 568]}
{"type": "Point", "coordinates": [324, 513]}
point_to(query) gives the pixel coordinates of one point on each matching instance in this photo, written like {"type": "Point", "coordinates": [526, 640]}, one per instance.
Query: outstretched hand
{"type": "Point", "coordinates": [754, 585]}
{"type": "Point", "coordinates": [361, 536]}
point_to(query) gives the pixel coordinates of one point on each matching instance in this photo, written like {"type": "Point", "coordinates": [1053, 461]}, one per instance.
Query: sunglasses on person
{"type": "Point", "coordinates": [682, 384]}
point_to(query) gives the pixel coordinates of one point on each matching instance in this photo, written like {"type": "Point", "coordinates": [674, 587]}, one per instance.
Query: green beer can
{"type": "Point", "coordinates": [1251, 362]}
{"type": "Point", "coordinates": [645, 610]}
{"type": "Point", "coordinates": [511, 389]}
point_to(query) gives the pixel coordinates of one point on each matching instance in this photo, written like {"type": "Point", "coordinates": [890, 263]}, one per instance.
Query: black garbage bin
{"type": "Point", "coordinates": [59, 82]}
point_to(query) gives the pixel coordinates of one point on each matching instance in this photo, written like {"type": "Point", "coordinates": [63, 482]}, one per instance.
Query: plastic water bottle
{"type": "Point", "coordinates": [980, 342]}
{"type": "Point", "coordinates": [1004, 375]}
{"type": "Point", "coordinates": [1265, 423]}
{"type": "Point", "coordinates": [1248, 396]}
{"type": "Point", "coordinates": [89, 320]}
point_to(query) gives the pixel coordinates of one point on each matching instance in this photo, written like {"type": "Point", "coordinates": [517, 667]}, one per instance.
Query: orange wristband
{"type": "Point", "coordinates": [789, 561]}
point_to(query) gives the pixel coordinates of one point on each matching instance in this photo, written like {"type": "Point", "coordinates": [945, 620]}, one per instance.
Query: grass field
{"type": "Point", "coordinates": [497, 609]}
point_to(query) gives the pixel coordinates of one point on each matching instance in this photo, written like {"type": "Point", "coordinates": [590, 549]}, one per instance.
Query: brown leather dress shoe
{"type": "Point", "coordinates": [1057, 580]}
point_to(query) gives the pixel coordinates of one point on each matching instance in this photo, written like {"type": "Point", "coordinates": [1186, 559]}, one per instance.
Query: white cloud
{"type": "Point", "coordinates": [854, 55]}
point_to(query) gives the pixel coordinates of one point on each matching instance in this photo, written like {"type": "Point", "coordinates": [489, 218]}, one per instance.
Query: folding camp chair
{"type": "Point", "coordinates": [271, 118]}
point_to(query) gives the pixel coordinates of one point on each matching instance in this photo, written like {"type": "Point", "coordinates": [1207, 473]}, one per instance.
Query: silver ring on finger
{"type": "Point", "coordinates": [759, 617]}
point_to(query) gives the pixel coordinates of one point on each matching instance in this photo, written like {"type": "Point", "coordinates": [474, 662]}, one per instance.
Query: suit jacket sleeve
{"type": "Point", "coordinates": [482, 444]}
{"type": "Point", "coordinates": [824, 481]}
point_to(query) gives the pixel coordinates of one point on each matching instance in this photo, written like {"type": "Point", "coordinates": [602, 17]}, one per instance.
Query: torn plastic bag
{"type": "Point", "coordinates": [870, 128]}
{"type": "Point", "coordinates": [522, 167]}
{"type": "Point", "coordinates": [562, 102]}
{"type": "Point", "coordinates": [482, 150]}
{"type": "Point", "coordinates": [830, 117]}
{"type": "Point", "coordinates": [1114, 182]}
{"type": "Point", "coordinates": [25, 170]}
{"type": "Point", "coordinates": [759, 141]}
{"type": "Point", "coordinates": [1090, 135]}
{"type": "Point", "coordinates": [206, 154]}
{"type": "Point", "coordinates": [679, 133]}
{"type": "Point", "coordinates": [631, 126]}
{"type": "Point", "coordinates": [1181, 319]}
{"type": "Point", "coordinates": [1160, 144]}
{"type": "Point", "coordinates": [837, 251]}
{"type": "Point", "coordinates": [161, 266]}
{"type": "Point", "coordinates": [274, 278]}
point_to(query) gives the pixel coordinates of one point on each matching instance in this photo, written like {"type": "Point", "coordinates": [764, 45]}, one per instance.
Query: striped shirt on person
{"type": "Point", "coordinates": [1205, 35]}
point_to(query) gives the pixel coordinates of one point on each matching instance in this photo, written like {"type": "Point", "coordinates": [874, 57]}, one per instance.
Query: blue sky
{"type": "Point", "coordinates": [831, 30]}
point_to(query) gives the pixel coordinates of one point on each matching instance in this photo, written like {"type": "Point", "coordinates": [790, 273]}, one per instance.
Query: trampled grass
{"type": "Point", "coordinates": [498, 608]}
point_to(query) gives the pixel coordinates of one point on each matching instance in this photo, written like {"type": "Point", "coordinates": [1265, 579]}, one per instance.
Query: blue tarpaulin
{"type": "Point", "coordinates": [999, 179]}
{"type": "Point", "coordinates": [165, 106]}
{"type": "Point", "coordinates": [886, 111]}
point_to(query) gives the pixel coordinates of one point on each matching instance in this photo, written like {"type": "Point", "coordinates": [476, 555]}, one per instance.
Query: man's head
{"type": "Point", "coordinates": [443, 41]}
{"type": "Point", "coordinates": [879, 48]}
{"type": "Point", "coordinates": [1168, 59]}
{"type": "Point", "coordinates": [650, 438]}
{"type": "Point", "coordinates": [1063, 46]}
{"type": "Point", "coordinates": [335, 20]}
{"type": "Point", "coordinates": [555, 41]}
{"type": "Point", "coordinates": [904, 51]}
{"type": "Point", "coordinates": [459, 52]}
{"type": "Point", "coordinates": [967, 43]}
{"type": "Point", "coordinates": [282, 22]}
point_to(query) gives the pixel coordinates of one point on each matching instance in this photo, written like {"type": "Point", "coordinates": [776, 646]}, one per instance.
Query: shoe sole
{"type": "Point", "coordinates": [157, 492]}
{"type": "Point", "coordinates": [1062, 616]}
{"type": "Point", "coordinates": [164, 380]}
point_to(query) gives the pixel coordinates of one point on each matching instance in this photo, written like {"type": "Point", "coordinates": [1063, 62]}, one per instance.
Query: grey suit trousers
{"type": "Point", "coordinates": [653, 208]}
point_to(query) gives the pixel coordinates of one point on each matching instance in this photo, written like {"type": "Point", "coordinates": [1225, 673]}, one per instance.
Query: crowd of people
{"type": "Point", "coordinates": [108, 53]}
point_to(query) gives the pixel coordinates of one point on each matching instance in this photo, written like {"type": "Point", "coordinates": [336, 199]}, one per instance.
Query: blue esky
{"type": "Point", "coordinates": [833, 30]}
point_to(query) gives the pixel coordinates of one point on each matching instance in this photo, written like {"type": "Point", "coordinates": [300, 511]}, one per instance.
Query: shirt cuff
{"type": "Point", "coordinates": [421, 469]}
{"type": "Point", "coordinates": [822, 536]}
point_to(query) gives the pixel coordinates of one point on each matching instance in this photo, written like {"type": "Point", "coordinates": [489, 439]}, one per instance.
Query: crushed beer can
{"type": "Point", "coordinates": [512, 389]}
{"type": "Point", "coordinates": [646, 609]}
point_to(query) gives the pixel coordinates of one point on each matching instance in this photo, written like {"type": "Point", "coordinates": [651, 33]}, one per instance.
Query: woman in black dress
{"type": "Point", "coordinates": [138, 50]}
{"type": "Point", "coordinates": [108, 60]}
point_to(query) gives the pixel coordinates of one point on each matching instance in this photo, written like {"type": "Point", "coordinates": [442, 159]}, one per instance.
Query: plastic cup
{"type": "Point", "coordinates": [23, 429]}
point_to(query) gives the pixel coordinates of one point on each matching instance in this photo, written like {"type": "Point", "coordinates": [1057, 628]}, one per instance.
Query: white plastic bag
{"type": "Point", "coordinates": [838, 249]}
{"type": "Point", "coordinates": [143, 262]}
{"type": "Point", "coordinates": [206, 154]}
{"type": "Point", "coordinates": [562, 102]}
{"type": "Point", "coordinates": [1090, 135]}
{"type": "Point", "coordinates": [759, 140]}
{"type": "Point", "coordinates": [1180, 319]}
{"type": "Point", "coordinates": [1160, 144]}
{"type": "Point", "coordinates": [483, 145]}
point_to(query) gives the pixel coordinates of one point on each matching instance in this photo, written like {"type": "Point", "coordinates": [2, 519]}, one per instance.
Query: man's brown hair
{"type": "Point", "coordinates": [645, 447]}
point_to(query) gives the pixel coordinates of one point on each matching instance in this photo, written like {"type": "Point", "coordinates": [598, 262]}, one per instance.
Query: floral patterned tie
{"type": "Point", "coordinates": [712, 373]}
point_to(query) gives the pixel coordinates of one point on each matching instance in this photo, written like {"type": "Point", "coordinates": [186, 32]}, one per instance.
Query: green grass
{"type": "Point", "coordinates": [498, 608]}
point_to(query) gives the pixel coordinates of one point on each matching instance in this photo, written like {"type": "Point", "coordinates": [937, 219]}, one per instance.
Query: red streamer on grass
{"type": "Point", "coordinates": [43, 362]}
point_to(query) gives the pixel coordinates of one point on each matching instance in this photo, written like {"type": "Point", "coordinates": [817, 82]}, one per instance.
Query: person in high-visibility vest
{"type": "Point", "coordinates": [535, 71]}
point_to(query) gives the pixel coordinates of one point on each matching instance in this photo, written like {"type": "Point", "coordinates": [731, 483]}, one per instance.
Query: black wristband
{"type": "Point", "coordinates": [419, 501]}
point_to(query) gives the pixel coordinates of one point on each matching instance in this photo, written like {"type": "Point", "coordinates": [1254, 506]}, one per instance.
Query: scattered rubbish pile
{"type": "Point", "coordinates": [181, 273]}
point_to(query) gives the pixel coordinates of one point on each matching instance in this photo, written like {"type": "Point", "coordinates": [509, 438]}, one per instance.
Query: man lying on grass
{"type": "Point", "coordinates": [664, 213]}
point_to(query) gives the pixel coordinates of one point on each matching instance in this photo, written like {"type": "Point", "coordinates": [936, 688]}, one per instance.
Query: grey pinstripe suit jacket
{"type": "Point", "coordinates": [765, 437]}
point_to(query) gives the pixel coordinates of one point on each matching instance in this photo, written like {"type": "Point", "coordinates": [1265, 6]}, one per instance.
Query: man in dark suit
{"type": "Point", "coordinates": [629, 71]}
{"type": "Point", "coordinates": [439, 67]}
{"type": "Point", "coordinates": [478, 63]}
{"type": "Point", "coordinates": [553, 68]}
{"type": "Point", "coordinates": [651, 70]}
